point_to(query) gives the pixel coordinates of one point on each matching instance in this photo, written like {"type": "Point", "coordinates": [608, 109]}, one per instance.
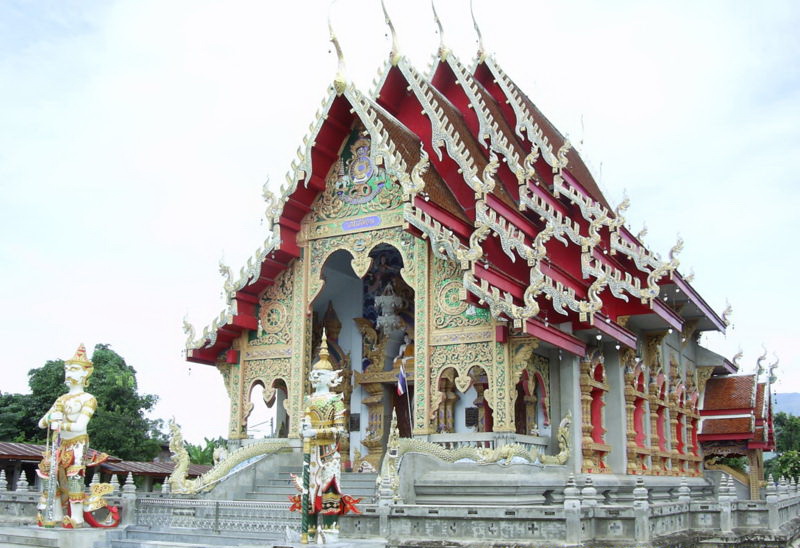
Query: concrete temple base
{"type": "Point", "coordinates": [57, 538]}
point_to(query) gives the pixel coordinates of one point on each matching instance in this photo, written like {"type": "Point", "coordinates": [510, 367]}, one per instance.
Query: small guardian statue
{"type": "Point", "coordinates": [324, 425]}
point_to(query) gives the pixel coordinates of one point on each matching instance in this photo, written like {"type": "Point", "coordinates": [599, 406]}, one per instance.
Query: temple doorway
{"type": "Point", "coordinates": [369, 324]}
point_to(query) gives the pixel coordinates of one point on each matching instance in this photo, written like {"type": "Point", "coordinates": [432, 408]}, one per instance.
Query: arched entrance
{"type": "Point", "coordinates": [369, 322]}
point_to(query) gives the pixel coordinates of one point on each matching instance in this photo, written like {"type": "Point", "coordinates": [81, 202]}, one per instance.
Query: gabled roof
{"type": "Point", "coordinates": [487, 196]}
{"type": "Point", "coordinates": [730, 393]}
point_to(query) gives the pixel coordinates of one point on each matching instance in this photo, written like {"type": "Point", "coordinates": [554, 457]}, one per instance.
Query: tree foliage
{"type": "Point", "coordinates": [787, 432]}
{"type": "Point", "coordinates": [785, 465]}
{"type": "Point", "coordinates": [204, 455]}
{"type": "Point", "coordinates": [787, 445]}
{"type": "Point", "coordinates": [119, 426]}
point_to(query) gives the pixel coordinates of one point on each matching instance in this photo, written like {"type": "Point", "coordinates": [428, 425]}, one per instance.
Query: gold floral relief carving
{"type": "Point", "coordinates": [450, 309]}
{"type": "Point", "coordinates": [461, 357]}
{"type": "Point", "coordinates": [359, 246]}
{"type": "Point", "coordinates": [356, 184]}
{"type": "Point", "coordinates": [521, 353]}
{"type": "Point", "coordinates": [274, 318]}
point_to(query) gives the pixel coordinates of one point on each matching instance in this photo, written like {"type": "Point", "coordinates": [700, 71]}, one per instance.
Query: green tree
{"type": "Point", "coordinates": [18, 419]}
{"type": "Point", "coordinates": [119, 426]}
{"type": "Point", "coordinates": [786, 465]}
{"type": "Point", "coordinates": [787, 432]}
{"type": "Point", "coordinates": [204, 455]}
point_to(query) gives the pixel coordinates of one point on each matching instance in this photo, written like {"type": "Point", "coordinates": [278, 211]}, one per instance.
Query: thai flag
{"type": "Point", "coordinates": [402, 386]}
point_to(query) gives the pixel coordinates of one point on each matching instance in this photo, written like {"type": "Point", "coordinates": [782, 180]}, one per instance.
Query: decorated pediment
{"type": "Point", "coordinates": [356, 183]}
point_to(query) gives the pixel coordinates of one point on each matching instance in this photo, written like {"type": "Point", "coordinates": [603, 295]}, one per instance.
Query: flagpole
{"type": "Point", "coordinates": [407, 394]}
{"type": "Point", "coordinates": [410, 416]}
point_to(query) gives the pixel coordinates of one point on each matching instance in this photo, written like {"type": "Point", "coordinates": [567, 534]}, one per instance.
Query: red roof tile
{"type": "Point", "coordinates": [730, 392]}
{"type": "Point", "coordinates": [761, 410]}
{"type": "Point", "coordinates": [741, 425]}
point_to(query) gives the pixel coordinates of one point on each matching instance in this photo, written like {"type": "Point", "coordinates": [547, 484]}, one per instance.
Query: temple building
{"type": "Point", "coordinates": [448, 238]}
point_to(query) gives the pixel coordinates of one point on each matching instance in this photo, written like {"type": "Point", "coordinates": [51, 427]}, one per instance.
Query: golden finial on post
{"type": "Point", "coordinates": [481, 50]}
{"type": "Point", "coordinates": [339, 82]}
{"type": "Point", "coordinates": [443, 51]}
{"type": "Point", "coordinates": [394, 56]}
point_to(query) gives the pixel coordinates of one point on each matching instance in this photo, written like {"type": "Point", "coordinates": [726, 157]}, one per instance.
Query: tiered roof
{"type": "Point", "coordinates": [494, 186]}
{"type": "Point", "coordinates": [738, 408]}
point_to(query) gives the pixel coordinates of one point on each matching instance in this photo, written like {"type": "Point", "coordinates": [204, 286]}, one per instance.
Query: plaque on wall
{"type": "Point", "coordinates": [355, 422]}
{"type": "Point", "coordinates": [471, 416]}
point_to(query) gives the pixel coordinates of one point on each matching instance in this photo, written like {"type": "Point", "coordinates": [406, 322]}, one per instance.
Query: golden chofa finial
{"type": "Point", "coordinates": [394, 56]}
{"type": "Point", "coordinates": [339, 82]}
{"type": "Point", "coordinates": [443, 51]}
{"type": "Point", "coordinates": [324, 362]}
{"type": "Point", "coordinates": [481, 50]}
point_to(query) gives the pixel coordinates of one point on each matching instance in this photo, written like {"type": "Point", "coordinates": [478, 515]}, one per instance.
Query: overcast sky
{"type": "Point", "coordinates": [135, 138]}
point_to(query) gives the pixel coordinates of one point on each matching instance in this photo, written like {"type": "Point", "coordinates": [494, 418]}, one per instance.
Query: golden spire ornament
{"type": "Point", "coordinates": [339, 81]}
{"type": "Point", "coordinates": [324, 362]}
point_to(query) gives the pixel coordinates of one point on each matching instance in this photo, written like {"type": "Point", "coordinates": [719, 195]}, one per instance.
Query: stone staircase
{"type": "Point", "coordinates": [277, 486]}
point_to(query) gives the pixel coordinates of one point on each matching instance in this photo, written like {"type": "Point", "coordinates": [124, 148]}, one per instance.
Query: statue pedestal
{"type": "Point", "coordinates": [64, 538]}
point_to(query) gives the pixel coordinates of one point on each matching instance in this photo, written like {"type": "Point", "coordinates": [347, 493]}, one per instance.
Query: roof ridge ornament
{"type": "Point", "coordinates": [339, 81]}
{"type": "Point", "coordinates": [760, 362]}
{"type": "Point", "coordinates": [737, 357]}
{"type": "Point", "coordinates": [443, 50]}
{"type": "Point", "coordinates": [394, 56]}
{"type": "Point", "coordinates": [726, 315]}
{"type": "Point", "coordinates": [772, 377]}
{"type": "Point", "coordinates": [481, 49]}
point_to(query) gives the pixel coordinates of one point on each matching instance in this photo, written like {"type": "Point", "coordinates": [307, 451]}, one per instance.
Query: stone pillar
{"type": "Point", "coordinates": [114, 481]}
{"type": "Point", "coordinates": [129, 501]}
{"type": "Point", "coordinates": [684, 493]}
{"type": "Point", "coordinates": [615, 417]}
{"type": "Point", "coordinates": [572, 512]}
{"type": "Point", "coordinates": [772, 505]}
{"type": "Point", "coordinates": [783, 489]}
{"type": "Point", "coordinates": [724, 498]}
{"type": "Point", "coordinates": [641, 511]}
{"type": "Point", "coordinates": [22, 483]}
{"type": "Point", "coordinates": [569, 395]}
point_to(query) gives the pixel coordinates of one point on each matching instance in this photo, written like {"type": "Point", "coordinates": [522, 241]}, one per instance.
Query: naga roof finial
{"type": "Point", "coordinates": [773, 378]}
{"type": "Point", "coordinates": [443, 51]}
{"type": "Point", "coordinates": [481, 50]}
{"type": "Point", "coordinates": [339, 82]}
{"type": "Point", "coordinates": [394, 56]}
{"type": "Point", "coordinates": [726, 315]}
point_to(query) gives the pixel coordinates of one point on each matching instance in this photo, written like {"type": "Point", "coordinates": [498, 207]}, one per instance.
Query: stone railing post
{"type": "Point", "coordinates": [572, 512]}
{"type": "Point", "coordinates": [588, 493]}
{"type": "Point", "coordinates": [684, 493]}
{"type": "Point", "coordinates": [114, 481]}
{"type": "Point", "coordinates": [783, 489]}
{"type": "Point", "coordinates": [129, 501]}
{"type": "Point", "coordinates": [22, 483]}
{"type": "Point", "coordinates": [725, 497]}
{"type": "Point", "coordinates": [641, 511]}
{"type": "Point", "coordinates": [772, 505]}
